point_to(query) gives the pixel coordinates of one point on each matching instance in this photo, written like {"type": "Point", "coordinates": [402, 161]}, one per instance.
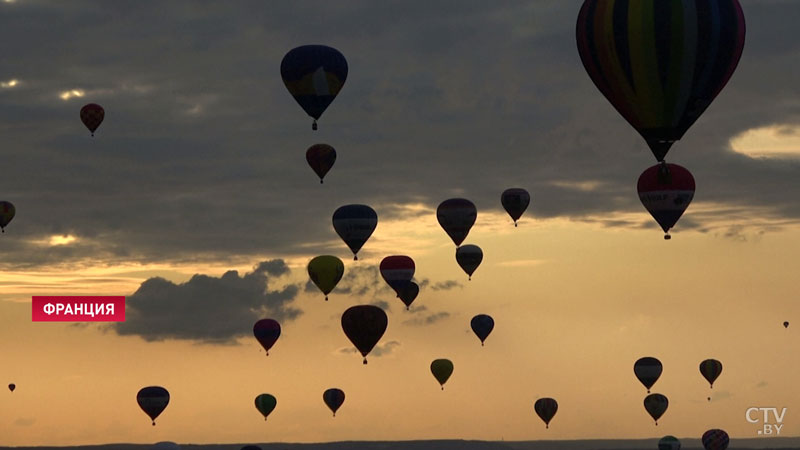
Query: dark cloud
{"type": "Point", "coordinates": [380, 349]}
{"type": "Point", "coordinates": [446, 285]}
{"type": "Point", "coordinates": [427, 320]}
{"type": "Point", "coordinates": [208, 309]}
{"type": "Point", "coordinates": [761, 384]}
{"type": "Point", "coordinates": [201, 157]}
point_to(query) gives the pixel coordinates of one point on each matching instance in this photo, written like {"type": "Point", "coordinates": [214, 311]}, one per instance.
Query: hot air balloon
{"type": "Point", "coordinates": [456, 216]}
{"type": "Point", "coordinates": [408, 292]}
{"type": "Point", "coordinates": [265, 403]}
{"type": "Point", "coordinates": [647, 370]}
{"type": "Point", "coordinates": [7, 212]}
{"type": "Point", "coordinates": [364, 325]}
{"type": "Point", "coordinates": [11, 387]}
{"type": "Point", "coordinates": [314, 75]}
{"type": "Point", "coordinates": [165, 445]}
{"type": "Point", "coordinates": [267, 332]}
{"type": "Point", "coordinates": [546, 408]}
{"type": "Point", "coordinates": [715, 440]}
{"type": "Point", "coordinates": [669, 443]}
{"type": "Point", "coordinates": [397, 270]}
{"type": "Point", "coordinates": [660, 62]}
{"type": "Point", "coordinates": [710, 368]}
{"type": "Point", "coordinates": [482, 325]}
{"type": "Point", "coordinates": [666, 191]}
{"type": "Point", "coordinates": [92, 116]}
{"type": "Point", "coordinates": [441, 370]}
{"type": "Point", "coordinates": [469, 257]}
{"type": "Point", "coordinates": [334, 398]}
{"type": "Point", "coordinates": [152, 400]}
{"type": "Point", "coordinates": [785, 324]}
{"type": "Point", "coordinates": [325, 272]}
{"type": "Point", "coordinates": [656, 405]}
{"type": "Point", "coordinates": [515, 201]}
{"type": "Point", "coordinates": [321, 158]}
{"type": "Point", "coordinates": [355, 224]}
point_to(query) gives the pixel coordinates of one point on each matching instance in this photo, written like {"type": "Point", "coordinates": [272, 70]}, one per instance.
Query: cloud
{"type": "Point", "coordinates": [761, 384]}
{"type": "Point", "coordinates": [380, 349]}
{"type": "Point", "coordinates": [25, 421]}
{"type": "Point", "coordinates": [427, 320]}
{"type": "Point", "coordinates": [446, 285]}
{"type": "Point", "coordinates": [208, 309]}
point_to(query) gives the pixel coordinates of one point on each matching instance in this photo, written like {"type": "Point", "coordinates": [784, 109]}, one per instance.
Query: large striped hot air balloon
{"type": "Point", "coordinates": [660, 62]}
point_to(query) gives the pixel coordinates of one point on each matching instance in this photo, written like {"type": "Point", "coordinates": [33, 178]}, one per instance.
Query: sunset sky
{"type": "Point", "coordinates": [199, 169]}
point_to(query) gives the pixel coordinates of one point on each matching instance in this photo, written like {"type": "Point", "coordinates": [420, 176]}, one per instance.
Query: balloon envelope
{"type": "Point", "coordinates": [456, 216]}
{"type": "Point", "coordinates": [546, 408]}
{"type": "Point", "coordinates": [666, 190]}
{"type": "Point", "coordinates": [314, 75]}
{"type": "Point", "coordinates": [397, 270]}
{"type": "Point", "coordinates": [334, 398]}
{"type": "Point", "coordinates": [321, 158]}
{"type": "Point", "coordinates": [669, 443]}
{"type": "Point", "coordinates": [647, 370]}
{"type": "Point", "coordinates": [265, 404]}
{"type": "Point", "coordinates": [267, 332]}
{"type": "Point", "coordinates": [11, 387]}
{"type": "Point", "coordinates": [656, 405]}
{"type": "Point", "coordinates": [355, 224]}
{"type": "Point", "coordinates": [7, 212]}
{"type": "Point", "coordinates": [153, 400]}
{"type": "Point", "coordinates": [364, 325]}
{"type": "Point", "coordinates": [785, 324]}
{"type": "Point", "coordinates": [715, 440]}
{"type": "Point", "coordinates": [482, 325]}
{"type": "Point", "coordinates": [469, 257]}
{"type": "Point", "coordinates": [92, 116]}
{"type": "Point", "coordinates": [711, 368]}
{"type": "Point", "coordinates": [325, 272]}
{"type": "Point", "coordinates": [515, 201]}
{"type": "Point", "coordinates": [441, 370]}
{"type": "Point", "coordinates": [660, 62]}
{"type": "Point", "coordinates": [408, 292]}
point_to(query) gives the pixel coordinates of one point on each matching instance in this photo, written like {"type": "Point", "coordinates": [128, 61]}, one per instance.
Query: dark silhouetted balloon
{"type": "Point", "coordinates": [546, 408]}
{"type": "Point", "coordinates": [11, 387]}
{"type": "Point", "coordinates": [647, 370]}
{"type": "Point", "coordinates": [325, 272]}
{"type": "Point", "coordinates": [441, 370]}
{"type": "Point", "coordinates": [355, 224]}
{"type": "Point", "coordinates": [456, 216]}
{"type": "Point", "coordinates": [397, 270]}
{"type": "Point", "coordinates": [321, 158]}
{"type": "Point", "coordinates": [715, 440]}
{"type": "Point", "coordinates": [669, 443]}
{"type": "Point", "coordinates": [92, 116]}
{"type": "Point", "coordinates": [666, 191]}
{"type": "Point", "coordinates": [364, 325]}
{"type": "Point", "coordinates": [469, 257]}
{"type": "Point", "coordinates": [482, 325]}
{"type": "Point", "coordinates": [152, 400]}
{"type": "Point", "coordinates": [660, 63]}
{"type": "Point", "coordinates": [785, 324]}
{"type": "Point", "coordinates": [515, 201]}
{"type": "Point", "coordinates": [334, 398]}
{"type": "Point", "coordinates": [710, 368]}
{"type": "Point", "coordinates": [408, 292]}
{"type": "Point", "coordinates": [656, 405]}
{"type": "Point", "coordinates": [7, 212]}
{"type": "Point", "coordinates": [267, 331]}
{"type": "Point", "coordinates": [314, 75]}
{"type": "Point", "coordinates": [265, 404]}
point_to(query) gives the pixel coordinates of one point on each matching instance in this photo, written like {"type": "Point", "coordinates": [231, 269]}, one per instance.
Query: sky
{"type": "Point", "coordinates": [194, 200]}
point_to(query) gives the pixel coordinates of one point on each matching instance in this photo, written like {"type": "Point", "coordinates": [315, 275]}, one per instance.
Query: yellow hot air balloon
{"type": "Point", "coordinates": [325, 271]}
{"type": "Point", "coordinates": [441, 370]}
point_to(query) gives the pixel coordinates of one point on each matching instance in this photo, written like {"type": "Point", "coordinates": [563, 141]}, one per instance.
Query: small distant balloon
{"type": "Point", "coordinates": [710, 369]}
{"type": "Point", "coordinates": [267, 332]}
{"type": "Point", "coordinates": [441, 370]}
{"type": "Point", "coordinates": [546, 408]}
{"type": "Point", "coordinates": [669, 443]}
{"type": "Point", "coordinates": [515, 201]}
{"type": "Point", "coordinates": [715, 440]}
{"type": "Point", "coordinates": [355, 224]}
{"type": "Point", "coordinates": [11, 387]}
{"type": "Point", "coordinates": [325, 272]}
{"type": "Point", "coordinates": [656, 405]}
{"type": "Point", "coordinates": [334, 398]}
{"type": "Point", "coordinates": [456, 216]}
{"type": "Point", "coordinates": [92, 116]}
{"type": "Point", "coordinates": [482, 325]}
{"type": "Point", "coordinates": [265, 404]}
{"type": "Point", "coordinates": [7, 212]}
{"type": "Point", "coordinates": [785, 324]}
{"type": "Point", "coordinates": [153, 400]}
{"type": "Point", "coordinates": [469, 257]}
{"type": "Point", "coordinates": [647, 370]}
{"type": "Point", "coordinates": [321, 158]}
